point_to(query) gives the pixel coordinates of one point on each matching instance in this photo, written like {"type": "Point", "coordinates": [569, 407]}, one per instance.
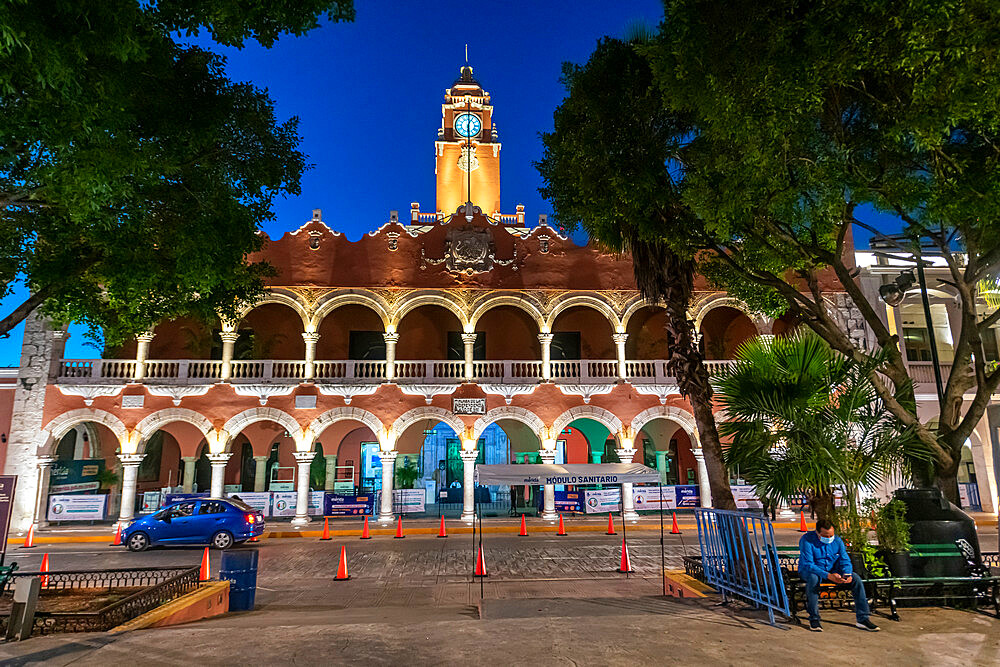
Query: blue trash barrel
{"type": "Point", "coordinates": [240, 569]}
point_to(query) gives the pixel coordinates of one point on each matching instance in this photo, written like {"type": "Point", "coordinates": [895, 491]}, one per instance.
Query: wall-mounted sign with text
{"type": "Point", "coordinates": [468, 406]}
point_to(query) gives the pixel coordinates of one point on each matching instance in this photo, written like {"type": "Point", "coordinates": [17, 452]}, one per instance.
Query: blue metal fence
{"type": "Point", "coordinates": [739, 558]}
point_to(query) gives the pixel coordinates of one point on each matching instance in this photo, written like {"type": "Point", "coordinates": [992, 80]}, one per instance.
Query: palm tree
{"type": "Point", "coordinates": [805, 419]}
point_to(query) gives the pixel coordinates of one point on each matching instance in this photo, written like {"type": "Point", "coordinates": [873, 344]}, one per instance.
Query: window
{"type": "Point", "coordinates": [918, 346]}
{"type": "Point", "coordinates": [565, 345]}
{"type": "Point", "coordinates": [366, 346]}
{"type": "Point", "coordinates": [212, 507]}
{"type": "Point", "coordinates": [184, 509]}
{"type": "Point", "coordinates": [456, 348]}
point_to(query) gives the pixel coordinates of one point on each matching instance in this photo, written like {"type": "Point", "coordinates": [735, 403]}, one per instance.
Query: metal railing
{"type": "Point", "coordinates": [739, 559]}
{"type": "Point", "coordinates": [156, 586]}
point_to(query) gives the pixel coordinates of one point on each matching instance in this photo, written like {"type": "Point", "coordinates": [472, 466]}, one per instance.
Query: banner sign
{"type": "Point", "coordinates": [150, 502]}
{"type": "Point", "coordinates": [260, 501]}
{"type": "Point", "coordinates": [566, 501]}
{"type": "Point", "coordinates": [337, 505]}
{"type": "Point", "coordinates": [75, 476]}
{"type": "Point", "coordinates": [77, 487]}
{"type": "Point", "coordinates": [746, 497]}
{"type": "Point", "coordinates": [648, 498]}
{"type": "Point", "coordinates": [177, 497]}
{"type": "Point", "coordinates": [564, 474]}
{"type": "Point", "coordinates": [409, 501]}
{"type": "Point", "coordinates": [687, 496]}
{"type": "Point", "coordinates": [7, 485]}
{"type": "Point", "coordinates": [602, 501]}
{"type": "Point", "coordinates": [77, 508]}
{"type": "Point", "coordinates": [283, 503]}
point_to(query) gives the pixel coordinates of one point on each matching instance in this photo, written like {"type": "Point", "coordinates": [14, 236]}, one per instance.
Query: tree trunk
{"type": "Point", "coordinates": [823, 506]}
{"type": "Point", "coordinates": [663, 276]}
{"type": "Point", "coordinates": [946, 479]}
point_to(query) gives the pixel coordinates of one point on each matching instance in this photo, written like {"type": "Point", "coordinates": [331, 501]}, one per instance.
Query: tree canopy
{"type": "Point", "coordinates": [134, 175]}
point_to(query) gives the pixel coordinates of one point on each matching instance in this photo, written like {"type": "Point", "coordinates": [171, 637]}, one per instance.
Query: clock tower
{"type": "Point", "coordinates": [467, 150]}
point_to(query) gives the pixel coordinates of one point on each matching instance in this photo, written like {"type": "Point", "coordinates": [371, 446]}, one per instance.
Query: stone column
{"type": "Point", "coordinates": [546, 340]}
{"type": "Point", "coordinates": [41, 502]}
{"type": "Point", "coordinates": [219, 462]}
{"type": "Point", "coordinates": [311, 338]}
{"type": "Point", "coordinates": [628, 500]}
{"type": "Point", "coordinates": [189, 463]}
{"type": "Point", "coordinates": [388, 459]}
{"type": "Point", "coordinates": [304, 460]}
{"type": "Point", "coordinates": [331, 471]}
{"type": "Point", "coordinates": [130, 472]}
{"type": "Point", "coordinates": [228, 345]}
{"type": "Point", "coordinates": [620, 339]}
{"type": "Point", "coordinates": [469, 342]}
{"type": "Point", "coordinates": [260, 474]}
{"type": "Point", "coordinates": [41, 351]}
{"type": "Point", "coordinates": [142, 342]}
{"type": "Point", "coordinates": [468, 484]}
{"type": "Point", "coordinates": [549, 490]}
{"type": "Point", "coordinates": [595, 457]}
{"type": "Point", "coordinates": [391, 338]}
{"type": "Point", "coordinates": [661, 465]}
{"type": "Point", "coordinates": [704, 489]}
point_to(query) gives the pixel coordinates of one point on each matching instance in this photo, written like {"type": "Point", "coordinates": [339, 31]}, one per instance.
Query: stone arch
{"type": "Point", "coordinates": [431, 298]}
{"type": "Point", "coordinates": [515, 413]}
{"type": "Point", "coordinates": [239, 422]}
{"type": "Point", "coordinates": [635, 307]}
{"type": "Point", "coordinates": [600, 415]}
{"type": "Point", "coordinates": [61, 425]}
{"type": "Point", "coordinates": [411, 417]}
{"type": "Point", "coordinates": [515, 301]}
{"type": "Point", "coordinates": [700, 309]}
{"type": "Point", "coordinates": [680, 417]}
{"type": "Point", "coordinates": [588, 301]}
{"type": "Point", "coordinates": [318, 425]}
{"type": "Point", "coordinates": [157, 420]}
{"type": "Point", "coordinates": [280, 298]}
{"type": "Point", "coordinates": [349, 298]}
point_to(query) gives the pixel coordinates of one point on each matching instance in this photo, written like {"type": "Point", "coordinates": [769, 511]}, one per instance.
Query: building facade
{"type": "Point", "coordinates": [436, 340]}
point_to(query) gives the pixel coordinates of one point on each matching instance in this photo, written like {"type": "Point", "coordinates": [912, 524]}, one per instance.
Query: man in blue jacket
{"type": "Point", "coordinates": [823, 557]}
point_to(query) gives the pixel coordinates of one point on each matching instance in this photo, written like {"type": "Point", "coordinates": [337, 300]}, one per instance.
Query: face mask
{"type": "Point", "coordinates": [827, 540]}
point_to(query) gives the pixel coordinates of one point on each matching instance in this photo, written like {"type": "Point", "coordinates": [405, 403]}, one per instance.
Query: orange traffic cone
{"type": "Point", "coordinates": [364, 531]}
{"type": "Point", "coordinates": [626, 565]}
{"type": "Point", "coordinates": [441, 531]}
{"type": "Point", "coordinates": [44, 568]}
{"type": "Point", "coordinates": [481, 564]}
{"type": "Point", "coordinates": [29, 541]}
{"type": "Point", "coordinates": [203, 576]}
{"type": "Point", "coordinates": [675, 530]}
{"type": "Point", "coordinates": [562, 528]}
{"type": "Point", "coordinates": [399, 529]}
{"type": "Point", "coordinates": [326, 529]}
{"type": "Point", "coordinates": [117, 542]}
{"type": "Point", "coordinates": [611, 525]}
{"type": "Point", "coordinates": [524, 528]}
{"type": "Point", "coordinates": [802, 523]}
{"type": "Point", "coordinates": [342, 570]}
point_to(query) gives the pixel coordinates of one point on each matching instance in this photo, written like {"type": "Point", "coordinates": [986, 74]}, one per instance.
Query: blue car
{"type": "Point", "coordinates": [216, 522]}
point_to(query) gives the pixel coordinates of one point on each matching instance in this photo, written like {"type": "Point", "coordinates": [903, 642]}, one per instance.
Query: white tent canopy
{"type": "Point", "coordinates": [570, 473]}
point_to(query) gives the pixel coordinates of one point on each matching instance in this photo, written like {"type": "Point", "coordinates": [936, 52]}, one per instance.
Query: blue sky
{"type": "Point", "coordinates": [368, 97]}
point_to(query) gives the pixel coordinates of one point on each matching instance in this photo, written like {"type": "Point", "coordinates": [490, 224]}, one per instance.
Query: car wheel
{"type": "Point", "coordinates": [222, 540]}
{"type": "Point", "coordinates": [137, 542]}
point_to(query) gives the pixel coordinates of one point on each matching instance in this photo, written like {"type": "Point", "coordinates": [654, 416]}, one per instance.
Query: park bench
{"type": "Point", "coordinates": [891, 591]}
{"type": "Point", "coordinates": [6, 572]}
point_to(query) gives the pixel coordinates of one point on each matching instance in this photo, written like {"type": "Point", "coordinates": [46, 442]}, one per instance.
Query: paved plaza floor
{"type": "Point", "coordinates": [557, 600]}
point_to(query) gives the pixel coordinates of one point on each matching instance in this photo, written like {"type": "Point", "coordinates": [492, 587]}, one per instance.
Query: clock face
{"type": "Point", "coordinates": [468, 125]}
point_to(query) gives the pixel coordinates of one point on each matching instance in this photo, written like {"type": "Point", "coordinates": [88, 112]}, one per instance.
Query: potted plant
{"type": "Point", "coordinates": [865, 561]}
{"type": "Point", "coordinates": [893, 533]}
{"type": "Point", "coordinates": [407, 475]}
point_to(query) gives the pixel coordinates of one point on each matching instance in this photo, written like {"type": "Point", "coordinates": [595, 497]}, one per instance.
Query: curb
{"type": "Point", "coordinates": [211, 595]}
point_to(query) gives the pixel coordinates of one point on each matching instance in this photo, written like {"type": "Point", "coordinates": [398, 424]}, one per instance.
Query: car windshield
{"type": "Point", "coordinates": [241, 505]}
